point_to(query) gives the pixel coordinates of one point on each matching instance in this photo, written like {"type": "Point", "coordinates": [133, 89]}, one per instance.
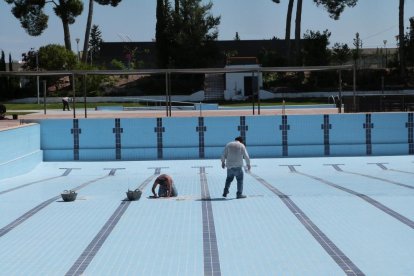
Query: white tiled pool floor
{"type": "Point", "coordinates": [302, 216]}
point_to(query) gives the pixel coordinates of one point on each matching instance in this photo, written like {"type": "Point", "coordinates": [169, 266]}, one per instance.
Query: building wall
{"type": "Point", "coordinates": [194, 138]}
{"type": "Point", "coordinates": [20, 150]}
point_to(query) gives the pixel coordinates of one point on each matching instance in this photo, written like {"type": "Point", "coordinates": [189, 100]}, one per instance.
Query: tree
{"type": "Point", "coordinates": [401, 38]}
{"type": "Point", "coordinates": [409, 45]}
{"type": "Point", "coordinates": [341, 53]}
{"type": "Point", "coordinates": [237, 37]}
{"type": "Point", "coordinates": [315, 48]}
{"type": "Point", "coordinates": [113, 3]}
{"type": "Point", "coordinates": [10, 63]}
{"type": "Point", "coordinates": [34, 20]}
{"type": "Point", "coordinates": [194, 30]}
{"type": "Point", "coordinates": [164, 32]}
{"type": "Point", "coordinates": [2, 62]}
{"type": "Point", "coordinates": [334, 8]}
{"type": "Point", "coordinates": [3, 82]}
{"type": "Point", "coordinates": [298, 22]}
{"type": "Point", "coordinates": [95, 43]}
{"type": "Point", "coordinates": [51, 57]}
{"type": "Point", "coordinates": [356, 53]}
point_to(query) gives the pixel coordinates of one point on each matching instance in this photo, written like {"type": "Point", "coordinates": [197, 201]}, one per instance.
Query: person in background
{"type": "Point", "coordinates": [167, 187]}
{"type": "Point", "coordinates": [232, 158]}
{"type": "Point", "coordinates": [65, 102]}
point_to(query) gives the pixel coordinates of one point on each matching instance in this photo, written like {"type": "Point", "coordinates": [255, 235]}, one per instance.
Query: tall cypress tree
{"type": "Point", "coordinates": [163, 34]}
{"type": "Point", "coordinates": [2, 62]}
{"type": "Point", "coordinates": [10, 63]}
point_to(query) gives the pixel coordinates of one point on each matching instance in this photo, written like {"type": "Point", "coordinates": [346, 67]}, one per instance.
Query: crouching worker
{"type": "Point", "coordinates": [166, 189]}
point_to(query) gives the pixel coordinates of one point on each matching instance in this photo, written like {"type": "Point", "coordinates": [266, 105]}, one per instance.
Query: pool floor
{"type": "Point", "coordinates": [302, 216]}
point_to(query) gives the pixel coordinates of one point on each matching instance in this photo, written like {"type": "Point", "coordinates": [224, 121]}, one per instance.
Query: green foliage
{"type": "Point", "coordinates": [237, 37]}
{"type": "Point", "coordinates": [56, 57]}
{"type": "Point", "coordinates": [95, 43]}
{"type": "Point", "coordinates": [315, 48]}
{"type": "Point", "coordinates": [341, 53]}
{"type": "Point", "coordinates": [271, 59]}
{"type": "Point", "coordinates": [118, 65]}
{"type": "Point", "coordinates": [335, 7]}
{"type": "Point", "coordinates": [356, 53]}
{"type": "Point", "coordinates": [2, 111]}
{"type": "Point", "coordinates": [10, 63]}
{"type": "Point", "coordinates": [93, 82]}
{"type": "Point", "coordinates": [184, 35]}
{"type": "Point", "coordinates": [164, 34]}
{"type": "Point", "coordinates": [2, 62]}
{"type": "Point", "coordinates": [34, 20]}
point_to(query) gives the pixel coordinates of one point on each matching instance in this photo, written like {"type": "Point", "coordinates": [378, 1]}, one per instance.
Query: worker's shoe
{"type": "Point", "coordinates": [239, 196]}
{"type": "Point", "coordinates": [225, 192]}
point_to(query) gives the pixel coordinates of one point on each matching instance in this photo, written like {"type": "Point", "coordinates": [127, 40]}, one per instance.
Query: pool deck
{"type": "Point", "coordinates": [302, 216]}
{"type": "Point", "coordinates": [92, 113]}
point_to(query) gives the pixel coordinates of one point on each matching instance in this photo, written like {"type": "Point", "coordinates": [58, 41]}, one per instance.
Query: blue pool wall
{"type": "Point", "coordinates": [205, 137]}
{"type": "Point", "coordinates": [20, 150]}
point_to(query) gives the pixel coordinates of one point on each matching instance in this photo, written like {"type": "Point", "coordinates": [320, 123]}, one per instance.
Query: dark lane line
{"type": "Point", "coordinates": [95, 245]}
{"type": "Point", "coordinates": [394, 170]}
{"type": "Point", "coordinates": [210, 248]}
{"type": "Point", "coordinates": [381, 165]}
{"type": "Point", "coordinates": [34, 182]}
{"type": "Point", "coordinates": [334, 252]}
{"type": "Point", "coordinates": [368, 199]}
{"type": "Point", "coordinates": [33, 211]}
{"type": "Point", "coordinates": [381, 179]}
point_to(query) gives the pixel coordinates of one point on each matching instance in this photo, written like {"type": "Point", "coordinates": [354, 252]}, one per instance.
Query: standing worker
{"type": "Point", "coordinates": [65, 102]}
{"type": "Point", "coordinates": [232, 158]}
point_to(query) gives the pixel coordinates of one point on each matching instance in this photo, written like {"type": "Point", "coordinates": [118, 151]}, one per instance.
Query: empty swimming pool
{"type": "Point", "coordinates": [303, 216]}
{"type": "Point", "coordinates": [327, 194]}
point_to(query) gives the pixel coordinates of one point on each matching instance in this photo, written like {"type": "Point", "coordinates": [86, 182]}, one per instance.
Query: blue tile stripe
{"type": "Point", "coordinates": [368, 199]}
{"type": "Point", "coordinates": [95, 245]}
{"type": "Point", "coordinates": [210, 248]}
{"type": "Point", "coordinates": [410, 125]}
{"type": "Point", "coordinates": [243, 128]}
{"type": "Point", "coordinates": [201, 129]}
{"type": "Point", "coordinates": [284, 128]}
{"type": "Point", "coordinates": [118, 130]}
{"type": "Point", "coordinates": [33, 211]}
{"type": "Point", "coordinates": [326, 126]}
{"type": "Point", "coordinates": [35, 182]}
{"type": "Point", "coordinates": [334, 252]}
{"type": "Point", "coordinates": [159, 129]}
{"type": "Point", "coordinates": [368, 133]}
{"type": "Point", "coordinates": [380, 179]}
{"type": "Point", "coordinates": [76, 131]}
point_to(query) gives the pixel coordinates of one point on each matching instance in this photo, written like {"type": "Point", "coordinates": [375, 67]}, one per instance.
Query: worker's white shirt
{"type": "Point", "coordinates": [233, 154]}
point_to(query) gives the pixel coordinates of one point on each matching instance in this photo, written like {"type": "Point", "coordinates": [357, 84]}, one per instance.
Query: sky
{"type": "Point", "coordinates": [134, 20]}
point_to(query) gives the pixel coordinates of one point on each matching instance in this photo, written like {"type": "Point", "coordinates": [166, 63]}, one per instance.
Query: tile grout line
{"type": "Point", "coordinates": [334, 252]}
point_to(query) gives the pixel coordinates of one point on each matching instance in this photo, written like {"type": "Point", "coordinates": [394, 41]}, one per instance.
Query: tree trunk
{"type": "Point", "coordinates": [297, 32]}
{"type": "Point", "coordinates": [66, 34]}
{"type": "Point", "coordinates": [87, 33]}
{"type": "Point", "coordinates": [401, 39]}
{"type": "Point", "coordinates": [288, 27]}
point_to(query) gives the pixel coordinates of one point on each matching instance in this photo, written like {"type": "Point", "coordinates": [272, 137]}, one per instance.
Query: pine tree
{"type": "Point", "coordinates": [95, 43]}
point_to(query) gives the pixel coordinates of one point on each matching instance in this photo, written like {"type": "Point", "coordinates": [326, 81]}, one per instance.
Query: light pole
{"type": "Point", "coordinates": [37, 77]}
{"type": "Point", "coordinates": [77, 47]}
{"type": "Point", "coordinates": [385, 48]}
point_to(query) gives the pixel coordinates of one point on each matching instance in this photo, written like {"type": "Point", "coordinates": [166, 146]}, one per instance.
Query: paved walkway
{"type": "Point", "coordinates": [302, 216]}
{"type": "Point", "coordinates": [92, 113]}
